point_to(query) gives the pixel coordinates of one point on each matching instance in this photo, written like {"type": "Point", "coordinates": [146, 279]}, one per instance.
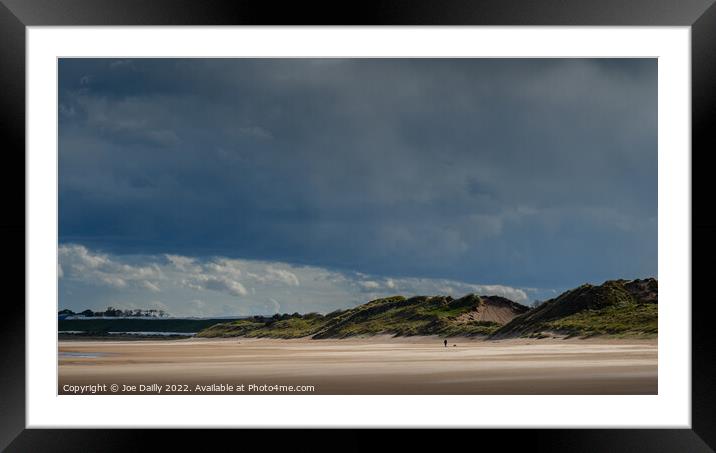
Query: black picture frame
{"type": "Point", "coordinates": [16, 15]}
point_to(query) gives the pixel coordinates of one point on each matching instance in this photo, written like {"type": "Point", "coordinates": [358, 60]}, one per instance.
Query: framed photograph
{"type": "Point", "coordinates": [413, 216]}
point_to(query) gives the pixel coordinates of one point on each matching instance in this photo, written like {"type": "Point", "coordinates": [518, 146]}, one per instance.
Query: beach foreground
{"type": "Point", "coordinates": [377, 365]}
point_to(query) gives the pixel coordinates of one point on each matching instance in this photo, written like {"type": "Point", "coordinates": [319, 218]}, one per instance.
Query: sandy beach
{"type": "Point", "coordinates": [377, 365]}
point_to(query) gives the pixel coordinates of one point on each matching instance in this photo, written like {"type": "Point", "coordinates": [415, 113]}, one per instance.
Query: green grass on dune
{"type": "Point", "coordinates": [403, 317]}
{"type": "Point", "coordinates": [616, 308]}
{"type": "Point", "coordinates": [621, 308]}
{"type": "Point", "coordinates": [472, 328]}
{"type": "Point", "coordinates": [396, 316]}
{"type": "Point", "coordinates": [290, 328]}
{"type": "Point", "coordinates": [619, 320]}
{"type": "Point", "coordinates": [238, 328]}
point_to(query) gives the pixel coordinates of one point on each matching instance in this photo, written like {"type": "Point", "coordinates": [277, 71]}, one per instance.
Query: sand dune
{"type": "Point", "coordinates": [378, 365]}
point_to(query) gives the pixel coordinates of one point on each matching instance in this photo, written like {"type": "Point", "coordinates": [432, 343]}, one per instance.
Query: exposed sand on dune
{"type": "Point", "coordinates": [501, 315]}
{"type": "Point", "coordinates": [493, 309]}
{"type": "Point", "coordinates": [374, 365]}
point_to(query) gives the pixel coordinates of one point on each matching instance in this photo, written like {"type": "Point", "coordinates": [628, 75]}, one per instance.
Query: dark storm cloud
{"type": "Point", "coordinates": [521, 172]}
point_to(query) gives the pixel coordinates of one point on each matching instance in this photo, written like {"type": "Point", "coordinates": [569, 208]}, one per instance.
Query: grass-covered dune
{"type": "Point", "coordinates": [626, 308]}
{"type": "Point", "coordinates": [622, 308]}
{"type": "Point", "coordinates": [439, 315]}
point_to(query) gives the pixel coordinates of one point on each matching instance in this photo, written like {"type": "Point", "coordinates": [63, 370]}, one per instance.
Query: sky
{"type": "Point", "coordinates": [220, 187]}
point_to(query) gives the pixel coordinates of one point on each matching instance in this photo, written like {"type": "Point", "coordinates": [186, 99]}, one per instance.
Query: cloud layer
{"type": "Point", "coordinates": [219, 286]}
{"type": "Point", "coordinates": [527, 173]}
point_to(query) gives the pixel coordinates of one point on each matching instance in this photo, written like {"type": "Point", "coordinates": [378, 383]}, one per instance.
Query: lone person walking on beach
{"type": "Point", "coordinates": [445, 343]}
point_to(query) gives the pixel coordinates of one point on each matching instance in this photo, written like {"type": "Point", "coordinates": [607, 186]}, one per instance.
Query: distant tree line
{"type": "Point", "coordinates": [116, 312]}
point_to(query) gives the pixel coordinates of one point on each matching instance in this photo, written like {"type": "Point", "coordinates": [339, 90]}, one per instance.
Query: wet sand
{"type": "Point", "coordinates": [378, 365]}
